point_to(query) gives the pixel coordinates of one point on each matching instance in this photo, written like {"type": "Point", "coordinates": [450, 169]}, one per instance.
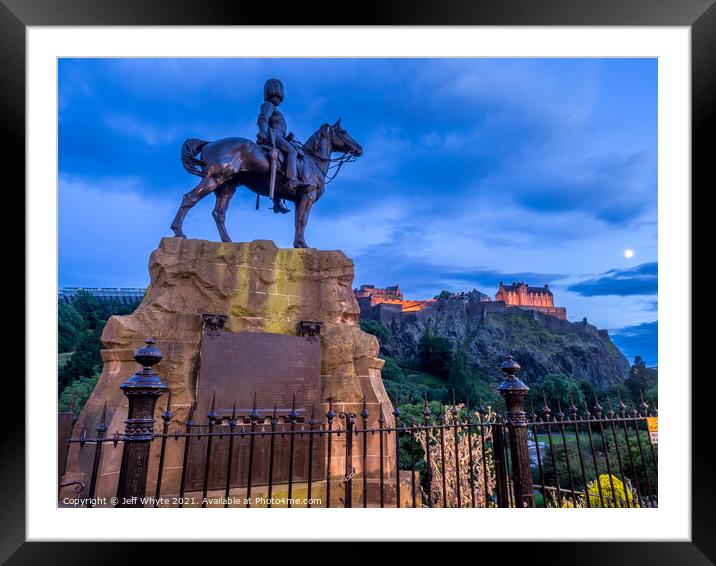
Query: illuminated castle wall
{"type": "Point", "coordinates": [368, 296]}
{"type": "Point", "coordinates": [530, 298]}
{"type": "Point", "coordinates": [383, 304]}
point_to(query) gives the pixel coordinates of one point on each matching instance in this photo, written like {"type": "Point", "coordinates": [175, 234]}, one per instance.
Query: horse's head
{"type": "Point", "coordinates": [341, 140]}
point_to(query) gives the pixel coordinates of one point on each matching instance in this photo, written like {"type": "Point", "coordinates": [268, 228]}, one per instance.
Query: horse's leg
{"type": "Point", "coordinates": [303, 209]}
{"type": "Point", "coordinates": [223, 196]}
{"type": "Point", "coordinates": [206, 186]}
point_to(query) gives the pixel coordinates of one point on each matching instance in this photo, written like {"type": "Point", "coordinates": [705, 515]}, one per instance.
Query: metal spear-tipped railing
{"type": "Point", "coordinates": [453, 457]}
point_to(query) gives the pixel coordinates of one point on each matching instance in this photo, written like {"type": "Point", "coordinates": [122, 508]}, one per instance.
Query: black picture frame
{"type": "Point", "coordinates": [699, 15]}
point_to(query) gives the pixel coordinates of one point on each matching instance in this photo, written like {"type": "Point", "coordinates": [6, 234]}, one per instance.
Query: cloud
{"type": "Point", "coordinates": [640, 340]}
{"type": "Point", "coordinates": [423, 277]}
{"type": "Point", "coordinates": [640, 280]}
{"type": "Point", "coordinates": [106, 231]}
{"type": "Point", "coordinates": [474, 170]}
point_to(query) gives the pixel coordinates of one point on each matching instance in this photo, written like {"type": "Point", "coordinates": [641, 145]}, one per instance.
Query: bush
{"type": "Point", "coordinates": [560, 390]}
{"type": "Point", "coordinates": [620, 497]}
{"type": "Point", "coordinates": [435, 354]}
{"type": "Point", "coordinates": [392, 371]}
{"type": "Point", "coordinates": [80, 389]}
{"type": "Point", "coordinates": [376, 329]}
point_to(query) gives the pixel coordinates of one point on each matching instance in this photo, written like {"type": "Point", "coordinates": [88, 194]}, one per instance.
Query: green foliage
{"type": "Point", "coordinates": [443, 295]}
{"type": "Point", "coordinates": [554, 457]}
{"type": "Point", "coordinates": [651, 395]}
{"type": "Point", "coordinates": [462, 380]}
{"type": "Point", "coordinates": [435, 354]}
{"type": "Point", "coordinates": [587, 389]}
{"type": "Point", "coordinates": [63, 358]}
{"type": "Point", "coordinates": [70, 325]}
{"type": "Point", "coordinates": [641, 379]}
{"type": "Point", "coordinates": [617, 391]}
{"type": "Point", "coordinates": [95, 314]}
{"type": "Point", "coordinates": [559, 389]}
{"type": "Point", "coordinates": [407, 392]}
{"type": "Point", "coordinates": [81, 389]}
{"type": "Point", "coordinates": [376, 329]}
{"type": "Point", "coordinates": [410, 412]}
{"type": "Point", "coordinates": [404, 387]}
{"type": "Point", "coordinates": [85, 361]}
{"type": "Point", "coordinates": [392, 371]}
{"type": "Point", "coordinates": [79, 329]}
{"type": "Point", "coordinates": [413, 413]}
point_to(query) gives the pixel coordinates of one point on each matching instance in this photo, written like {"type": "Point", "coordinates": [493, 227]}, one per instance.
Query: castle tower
{"type": "Point", "coordinates": [521, 295]}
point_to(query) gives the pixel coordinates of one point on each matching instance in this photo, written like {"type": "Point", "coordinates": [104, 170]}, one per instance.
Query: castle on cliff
{"type": "Point", "coordinates": [530, 298]}
{"type": "Point", "coordinates": [369, 296]}
{"type": "Point", "coordinates": [374, 301]}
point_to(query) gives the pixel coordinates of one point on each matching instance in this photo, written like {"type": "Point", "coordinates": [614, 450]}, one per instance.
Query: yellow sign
{"type": "Point", "coordinates": [652, 425]}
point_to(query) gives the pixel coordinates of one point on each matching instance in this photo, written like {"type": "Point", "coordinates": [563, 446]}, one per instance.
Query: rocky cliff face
{"type": "Point", "coordinates": [488, 331]}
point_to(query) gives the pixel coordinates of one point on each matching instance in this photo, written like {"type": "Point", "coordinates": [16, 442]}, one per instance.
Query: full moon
{"type": "Point", "coordinates": [628, 254]}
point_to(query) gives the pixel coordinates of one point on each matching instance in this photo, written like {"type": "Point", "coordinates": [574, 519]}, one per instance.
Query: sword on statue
{"type": "Point", "coordinates": [274, 160]}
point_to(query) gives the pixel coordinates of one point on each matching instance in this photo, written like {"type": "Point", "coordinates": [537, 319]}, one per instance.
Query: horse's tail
{"type": "Point", "coordinates": [189, 150]}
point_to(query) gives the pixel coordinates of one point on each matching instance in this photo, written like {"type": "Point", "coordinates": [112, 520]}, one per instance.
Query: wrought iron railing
{"type": "Point", "coordinates": [454, 457]}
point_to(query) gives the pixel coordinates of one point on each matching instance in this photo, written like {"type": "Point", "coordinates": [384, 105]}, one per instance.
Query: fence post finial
{"type": "Point", "coordinates": [142, 391]}
{"type": "Point", "coordinates": [514, 391]}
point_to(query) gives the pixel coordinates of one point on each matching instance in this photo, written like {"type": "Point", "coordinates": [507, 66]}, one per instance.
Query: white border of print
{"type": "Point", "coordinates": [671, 521]}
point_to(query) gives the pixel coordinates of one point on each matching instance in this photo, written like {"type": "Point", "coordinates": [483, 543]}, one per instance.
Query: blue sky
{"type": "Point", "coordinates": [474, 171]}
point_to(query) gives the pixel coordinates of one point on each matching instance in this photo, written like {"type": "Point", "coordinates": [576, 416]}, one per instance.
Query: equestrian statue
{"type": "Point", "coordinates": [277, 166]}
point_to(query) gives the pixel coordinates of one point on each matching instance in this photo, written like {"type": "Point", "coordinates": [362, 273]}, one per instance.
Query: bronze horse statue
{"type": "Point", "coordinates": [228, 163]}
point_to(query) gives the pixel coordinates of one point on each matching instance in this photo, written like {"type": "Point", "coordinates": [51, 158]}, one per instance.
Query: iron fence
{"type": "Point", "coordinates": [454, 457]}
{"type": "Point", "coordinates": [595, 459]}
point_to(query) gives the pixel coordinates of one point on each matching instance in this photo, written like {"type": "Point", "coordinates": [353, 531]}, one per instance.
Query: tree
{"type": "Point", "coordinates": [86, 360]}
{"type": "Point", "coordinates": [69, 327]}
{"type": "Point", "coordinates": [637, 367]}
{"type": "Point", "coordinates": [461, 380]}
{"type": "Point", "coordinates": [435, 354]}
{"type": "Point", "coordinates": [443, 295]}
{"type": "Point", "coordinates": [391, 371]}
{"type": "Point", "coordinates": [89, 308]}
{"type": "Point", "coordinates": [641, 378]}
{"type": "Point", "coordinates": [79, 390]}
{"type": "Point", "coordinates": [376, 329]}
{"type": "Point", "coordinates": [560, 390]}
{"type": "Point", "coordinates": [588, 391]}
{"type": "Point", "coordinates": [618, 391]}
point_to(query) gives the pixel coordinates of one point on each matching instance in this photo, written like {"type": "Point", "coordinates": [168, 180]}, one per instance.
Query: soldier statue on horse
{"type": "Point", "coordinates": [278, 166]}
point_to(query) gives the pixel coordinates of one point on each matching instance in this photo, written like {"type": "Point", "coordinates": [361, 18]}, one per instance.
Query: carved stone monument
{"type": "Point", "coordinates": [261, 374]}
{"type": "Point", "coordinates": [284, 306]}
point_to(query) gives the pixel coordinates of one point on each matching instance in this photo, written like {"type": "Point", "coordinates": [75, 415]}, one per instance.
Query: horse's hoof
{"type": "Point", "coordinates": [180, 235]}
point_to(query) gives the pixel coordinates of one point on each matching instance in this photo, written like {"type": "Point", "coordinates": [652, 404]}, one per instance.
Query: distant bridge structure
{"type": "Point", "coordinates": [121, 295]}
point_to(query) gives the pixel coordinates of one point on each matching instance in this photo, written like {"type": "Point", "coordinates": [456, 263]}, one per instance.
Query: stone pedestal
{"type": "Point", "coordinates": [262, 289]}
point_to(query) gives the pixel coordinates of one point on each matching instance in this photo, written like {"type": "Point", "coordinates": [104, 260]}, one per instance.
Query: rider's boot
{"type": "Point", "coordinates": [279, 208]}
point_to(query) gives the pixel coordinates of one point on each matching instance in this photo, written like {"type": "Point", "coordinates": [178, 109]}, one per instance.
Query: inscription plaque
{"type": "Point", "coordinates": [274, 368]}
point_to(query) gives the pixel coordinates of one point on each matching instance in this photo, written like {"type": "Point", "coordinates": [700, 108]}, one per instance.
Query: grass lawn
{"type": "Point", "coordinates": [570, 436]}
{"type": "Point", "coordinates": [424, 378]}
